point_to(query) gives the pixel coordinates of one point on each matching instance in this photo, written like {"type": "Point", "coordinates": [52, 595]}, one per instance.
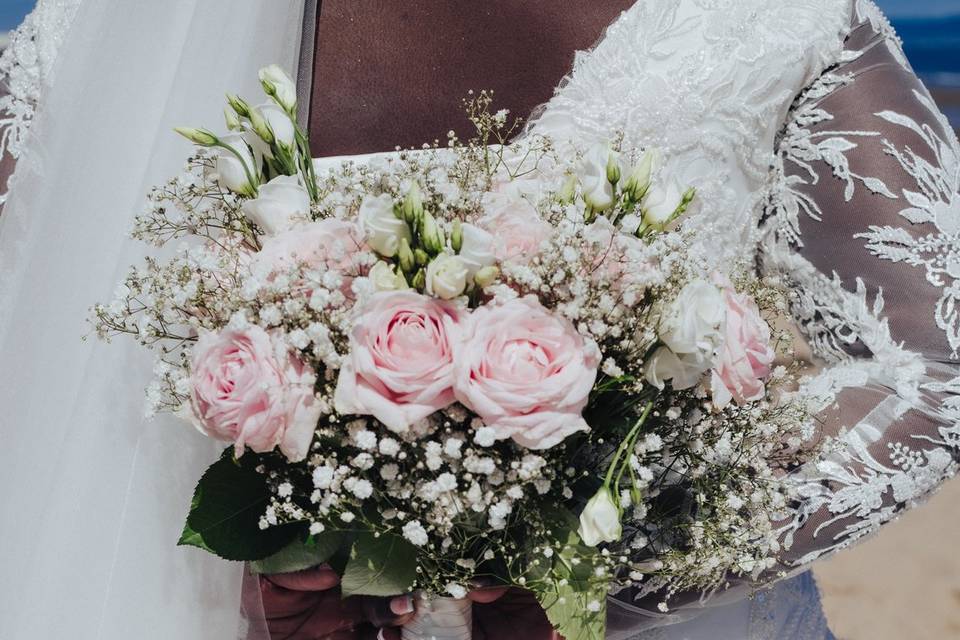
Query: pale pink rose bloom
{"type": "Point", "coordinates": [328, 244]}
{"type": "Point", "coordinates": [745, 360]}
{"type": "Point", "coordinates": [517, 228]}
{"type": "Point", "coordinates": [253, 391]}
{"type": "Point", "coordinates": [526, 372]}
{"type": "Point", "coordinates": [400, 367]}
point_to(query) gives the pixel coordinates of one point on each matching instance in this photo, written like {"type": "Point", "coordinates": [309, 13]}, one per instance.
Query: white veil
{"type": "Point", "coordinates": [93, 495]}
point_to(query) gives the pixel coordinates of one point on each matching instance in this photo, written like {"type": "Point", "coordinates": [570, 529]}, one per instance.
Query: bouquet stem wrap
{"type": "Point", "coordinates": [440, 619]}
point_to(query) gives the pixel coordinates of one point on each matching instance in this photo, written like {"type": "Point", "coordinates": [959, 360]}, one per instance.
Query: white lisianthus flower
{"type": "Point", "coordinates": [598, 192]}
{"type": "Point", "coordinates": [693, 323]}
{"type": "Point", "coordinates": [683, 371]}
{"type": "Point", "coordinates": [692, 330]}
{"type": "Point", "coordinates": [600, 519]}
{"type": "Point", "coordinates": [382, 227]}
{"type": "Point", "coordinates": [477, 249]}
{"type": "Point", "coordinates": [385, 278]}
{"type": "Point", "coordinates": [232, 168]}
{"type": "Point", "coordinates": [447, 276]}
{"type": "Point", "coordinates": [278, 204]}
{"type": "Point", "coordinates": [280, 123]}
{"type": "Point", "coordinates": [277, 84]}
{"type": "Point", "coordinates": [661, 201]}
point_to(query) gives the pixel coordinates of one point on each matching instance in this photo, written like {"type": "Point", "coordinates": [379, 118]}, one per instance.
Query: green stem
{"type": "Point", "coordinates": [253, 183]}
{"type": "Point", "coordinates": [626, 445]}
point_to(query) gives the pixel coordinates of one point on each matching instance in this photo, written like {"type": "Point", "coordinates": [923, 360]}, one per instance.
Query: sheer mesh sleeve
{"type": "Point", "coordinates": [864, 226]}
{"type": "Point", "coordinates": [868, 232]}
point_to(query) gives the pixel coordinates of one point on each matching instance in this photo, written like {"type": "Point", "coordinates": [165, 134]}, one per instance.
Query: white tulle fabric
{"type": "Point", "coordinates": [93, 495]}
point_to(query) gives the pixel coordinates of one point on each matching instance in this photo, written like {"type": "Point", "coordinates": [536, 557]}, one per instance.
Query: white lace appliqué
{"type": "Point", "coordinates": [872, 471]}
{"type": "Point", "coordinates": [935, 201]}
{"type": "Point", "coordinates": [26, 67]}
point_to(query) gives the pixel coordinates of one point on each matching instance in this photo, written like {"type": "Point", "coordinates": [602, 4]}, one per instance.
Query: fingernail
{"type": "Point", "coordinates": [402, 606]}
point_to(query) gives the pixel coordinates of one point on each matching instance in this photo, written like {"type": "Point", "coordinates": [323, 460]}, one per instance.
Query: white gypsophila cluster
{"type": "Point", "coordinates": [692, 491]}
{"type": "Point", "coordinates": [723, 470]}
{"type": "Point", "coordinates": [439, 489]}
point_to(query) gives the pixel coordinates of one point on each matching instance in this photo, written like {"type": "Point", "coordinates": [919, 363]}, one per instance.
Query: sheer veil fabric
{"type": "Point", "coordinates": [93, 494]}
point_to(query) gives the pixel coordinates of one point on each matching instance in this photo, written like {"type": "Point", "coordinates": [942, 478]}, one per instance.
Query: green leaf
{"type": "Point", "coordinates": [225, 512]}
{"type": "Point", "coordinates": [379, 566]}
{"type": "Point", "coordinates": [566, 585]}
{"type": "Point", "coordinates": [300, 555]}
{"type": "Point", "coordinates": [191, 538]}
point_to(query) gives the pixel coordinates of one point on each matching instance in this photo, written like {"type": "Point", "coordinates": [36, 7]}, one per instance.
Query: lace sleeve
{"type": "Point", "coordinates": [870, 177]}
{"type": "Point", "coordinates": [863, 225]}
{"type": "Point", "coordinates": [26, 66]}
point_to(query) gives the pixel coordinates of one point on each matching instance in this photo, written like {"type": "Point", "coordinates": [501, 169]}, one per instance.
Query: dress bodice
{"type": "Point", "coordinates": [395, 74]}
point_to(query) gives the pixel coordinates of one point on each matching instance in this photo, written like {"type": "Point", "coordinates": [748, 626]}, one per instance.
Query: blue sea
{"type": "Point", "coordinates": [933, 47]}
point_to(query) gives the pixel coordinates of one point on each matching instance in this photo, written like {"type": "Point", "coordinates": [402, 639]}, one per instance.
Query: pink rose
{"type": "Point", "coordinates": [516, 227]}
{"type": "Point", "coordinates": [744, 361]}
{"type": "Point", "coordinates": [526, 372]}
{"type": "Point", "coordinates": [329, 244]}
{"type": "Point", "coordinates": [254, 392]}
{"type": "Point", "coordinates": [400, 367]}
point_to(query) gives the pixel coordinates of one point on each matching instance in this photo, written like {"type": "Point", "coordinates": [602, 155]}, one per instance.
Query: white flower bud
{"type": "Point", "coordinates": [412, 207]}
{"type": "Point", "coordinates": [278, 204]}
{"type": "Point", "coordinates": [239, 105]}
{"type": "Point", "coordinates": [233, 165]}
{"type": "Point", "coordinates": [382, 227]}
{"type": "Point", "coordinates": [600, 519]}
{"type": "Point", "coordinates": [598, 192]}
{"type": "Point", "coordinates": [446, 277]}
{"type": "Point", "coordinates": [278, 123]}
{"type": "Point", "coordinates": [661, 203]}
{"type": "Point", "coordinates": [486, 276]}
{"type": "Point", "coordinates": [476, 249]}
{"type": "Point", "coordinates": [638, 182]}
{"type": "Point", "coordinates": [431, 237]}
{"type": "Point", "coordinates": [568, 191]}
{"type": "Point", "coordinates": [200, 137]}
{"type": "Point", "coordinates": [278, 85]}
{"type": "Point", "coordinates": [232, 119]}
{"type": "Point", "coordinates": [385, 278]}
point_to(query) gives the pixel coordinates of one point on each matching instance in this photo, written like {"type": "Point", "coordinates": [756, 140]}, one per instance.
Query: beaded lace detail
{"type": "Point", "coordinates": [26, 68]}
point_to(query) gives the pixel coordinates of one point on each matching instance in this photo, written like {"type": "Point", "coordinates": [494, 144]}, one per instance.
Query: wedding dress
{"type": "Point", "coordinates": [747, 99]}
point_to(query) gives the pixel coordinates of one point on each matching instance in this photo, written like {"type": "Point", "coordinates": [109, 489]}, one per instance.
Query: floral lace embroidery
{"type": "Point", "coordinates": [936, 201]}
{"type": "Point", "coordinates": [849, 491]}
{"type": "Point", "coordinates": [26, 67]}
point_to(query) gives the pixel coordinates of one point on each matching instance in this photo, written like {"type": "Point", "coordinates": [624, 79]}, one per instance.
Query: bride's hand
{"type": "Point", "coordinates": [307, 605]}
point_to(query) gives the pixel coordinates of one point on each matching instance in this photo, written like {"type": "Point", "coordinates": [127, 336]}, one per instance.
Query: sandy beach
{"type": "Point", "coordinates": [904, 584]}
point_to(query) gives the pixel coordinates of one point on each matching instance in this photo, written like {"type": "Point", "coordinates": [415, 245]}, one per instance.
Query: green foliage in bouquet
{"type": "Point", "coordinates": [630, 462]}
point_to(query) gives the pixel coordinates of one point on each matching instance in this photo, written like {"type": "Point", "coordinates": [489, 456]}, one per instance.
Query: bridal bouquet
{"type": "Point", "coordinates": [472, 361]}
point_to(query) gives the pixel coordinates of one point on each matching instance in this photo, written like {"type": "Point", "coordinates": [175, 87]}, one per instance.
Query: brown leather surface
{"type": "Point", "coordinates": [389, 72]}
